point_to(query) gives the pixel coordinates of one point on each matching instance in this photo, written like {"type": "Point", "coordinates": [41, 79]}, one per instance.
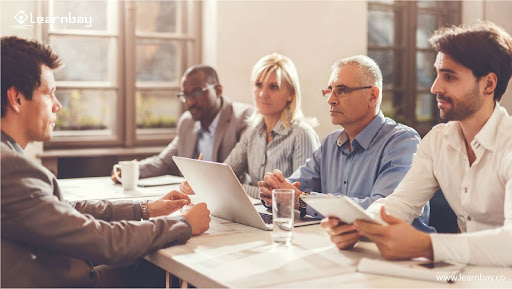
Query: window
{"type": "Point", "coordinates": [398, 33]}
{"type": "Point", "coordinates": [122, 71]}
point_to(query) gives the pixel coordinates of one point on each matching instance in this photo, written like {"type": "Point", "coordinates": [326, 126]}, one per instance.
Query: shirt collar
{"type": "Point", "coordinates": [13, 144]}
{"type": "Point", "coordinates": [487, 135]}
{"type": "Point", "coordinates": [365, 137]}
{"type": "Point", "coordinates": [213, 125]}
{"type": "Point", "coordinates": [278, 128]}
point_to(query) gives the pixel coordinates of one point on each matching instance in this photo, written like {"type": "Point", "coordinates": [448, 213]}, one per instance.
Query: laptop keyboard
{"type": "Point", "coordinates": [267, 218]}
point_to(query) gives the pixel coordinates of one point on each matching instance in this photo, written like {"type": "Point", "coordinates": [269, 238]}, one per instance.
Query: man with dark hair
{"type": "Point", "coordinates": [48, 242]}
{"type": "Point", "coordinates": [469, 158]}
{"type": "Point", "coordinates": [212, 126]}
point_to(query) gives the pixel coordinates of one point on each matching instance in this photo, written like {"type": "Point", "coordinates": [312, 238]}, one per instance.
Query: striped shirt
{"type": "Point", "coordinates": [288, 150]}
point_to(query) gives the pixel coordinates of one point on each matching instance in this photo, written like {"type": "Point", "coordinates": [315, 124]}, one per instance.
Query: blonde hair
{"type": "Point", "coordinates": [285, 70]}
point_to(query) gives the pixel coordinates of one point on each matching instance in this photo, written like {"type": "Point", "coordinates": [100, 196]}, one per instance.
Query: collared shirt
{"type": "Point", "coordinates": [381, 156]}
{"type": "Point", "coordinates": [288, 150]}
{"type": "Point", "coordinates": [480, 194]}
{"type": "Point", "coordinates": [12, 143]}
{"type": "Point", "coordinates": [205, 138]}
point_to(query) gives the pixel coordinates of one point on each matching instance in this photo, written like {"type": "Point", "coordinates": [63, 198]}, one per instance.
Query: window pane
{"type": "Point", "coordinates": [85, 109]}
{"type": "Point", "coordinates": [425, 106]}
{"type": "Point", "coordinates": [157, 109]}
{"type": "Point", "coordinates": [75, 11]}
{"type": "Point", "coordinates": [427, 3]}
{"type": "Point", "coordinates": [425, 69]}
{"type": "Point", "coordinates": [390, 2]}
{"type": "Point", "coordinates": [380, 27]}
{"type": "Point", "coordinates": [384, 59]}
{"type": "Point", "coordinates": [85, 58]}
{"type": "Point", "coordinates": [156, 16]}
{"type": "Point", "coordinates": [387, 104]}
{"type": "Point", "coordinates": [157, 60]}
{"type": "Point", "coordinates": [427, 24]}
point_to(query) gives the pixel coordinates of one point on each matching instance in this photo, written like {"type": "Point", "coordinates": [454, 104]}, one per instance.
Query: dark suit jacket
{"type": "Point", "coordinates": [232, 124]}
{"type": "Point", "coordinates": [48, 242]}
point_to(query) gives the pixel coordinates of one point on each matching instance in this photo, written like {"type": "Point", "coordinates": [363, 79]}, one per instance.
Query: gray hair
{"type": "Point", "coordinates": [369, 71]}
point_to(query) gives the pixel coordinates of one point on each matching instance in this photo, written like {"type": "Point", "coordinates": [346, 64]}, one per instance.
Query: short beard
{"type": "Point", "coordinates": [463, 108]}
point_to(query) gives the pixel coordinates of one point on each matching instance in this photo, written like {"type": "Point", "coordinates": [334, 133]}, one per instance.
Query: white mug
{"type": "Point", "coordinates": [129, 174]}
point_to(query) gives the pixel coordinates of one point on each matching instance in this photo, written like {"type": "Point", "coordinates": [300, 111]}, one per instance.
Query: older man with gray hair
{"type": "Point", "coordinates": [366, 159]}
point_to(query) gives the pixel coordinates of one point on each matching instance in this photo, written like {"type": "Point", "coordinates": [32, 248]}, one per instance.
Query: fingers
{"type": "Point", "coordinates": [265, 193]}
{"type": "Point", "coordinates": [271, 180]}
{"type": "Point", "coordinates": [329, 222]}
{"type": "Point", "coordinates": [186, 188]}
{"type": "Point", "coordinates": [345, 241]}
{"type": "Point", "coordinates": [297, 185]}
{"type": "Point", "coordinates": [279, 175]}
{"type": "Point", "coordinates": [388, 218]}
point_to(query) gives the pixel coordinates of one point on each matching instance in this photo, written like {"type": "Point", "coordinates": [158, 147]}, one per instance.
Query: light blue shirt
{"type": "Point", "coordinates": [381, 156]}
{"type": "Point", "coordinates": [205, 138]}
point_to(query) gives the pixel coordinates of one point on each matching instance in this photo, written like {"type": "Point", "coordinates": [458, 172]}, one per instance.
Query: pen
{"type": "Point", "coordinates": [200, 156]}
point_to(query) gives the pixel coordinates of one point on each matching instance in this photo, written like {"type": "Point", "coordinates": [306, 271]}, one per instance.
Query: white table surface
{"type": "Point", "coordinates": [234, 255]}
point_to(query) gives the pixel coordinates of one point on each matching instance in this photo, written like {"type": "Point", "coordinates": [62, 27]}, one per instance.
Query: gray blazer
{"type": "Point", "coordinates": [232, 124]}
{"type": "Point", "coordinates": [48, 242]}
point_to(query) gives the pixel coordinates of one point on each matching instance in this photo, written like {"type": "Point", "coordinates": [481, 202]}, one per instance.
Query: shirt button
{"type": "Point", "coordinates": [469, 218]}
{"type": "Point", "coordinates": [344, 182]}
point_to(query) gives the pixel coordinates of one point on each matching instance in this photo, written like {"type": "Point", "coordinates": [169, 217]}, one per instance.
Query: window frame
{"type": "Point", "coordinates": [125, 132]}
{"type": "Point", "coordinates": [404, 89]}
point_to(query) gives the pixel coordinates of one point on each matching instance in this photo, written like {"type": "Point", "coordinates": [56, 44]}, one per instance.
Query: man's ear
{"type": "Point", "coordinates": [374, 96]}
{"type": "Point", "coordinates": [218, 90]}
{"type": "Point", "coordinates": [14, 99]}
{"type": "Point", "coordinates": [490, 83]}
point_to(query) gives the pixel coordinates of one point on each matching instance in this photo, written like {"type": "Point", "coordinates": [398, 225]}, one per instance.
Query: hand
{"type": "Point", "coordinates": [186, 189]}
{"type": "Point", "coordinates": [276, 180]}
{"type": "Point", "coordinates": [344, 236]}
{"type": "Point", "coordinates": [168, 204]}
{"type": "Point", "coordinates": [398, 240]}
{"type": "Point", "coordinates": [113, 176]}
{"type": "Point", "coordinates": [198, 217]}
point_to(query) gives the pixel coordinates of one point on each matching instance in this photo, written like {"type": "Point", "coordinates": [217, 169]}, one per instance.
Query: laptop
{"type": "Point", "coordinates": [217, 185]}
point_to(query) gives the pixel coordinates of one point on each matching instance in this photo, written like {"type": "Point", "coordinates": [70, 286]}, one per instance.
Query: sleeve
{"type": "Point", "coordinates": [396, 160]}
{"type": "Point", "coordinates": [309, 174]}
{"type": "Point", "coordinates": [34, 216]}
{"type": "Point", "coordinates": [237, 158]}
{"type": "Point", "coordinates": [161, 164]}
{"type": "Point", "coordinates": [416, 188]}
{"type": "Point", "coordinates": [305, 143]}
{"type": "Point", "coordinates": [109, 211]}
{"type": "Point", "coordinates": [488, 247]}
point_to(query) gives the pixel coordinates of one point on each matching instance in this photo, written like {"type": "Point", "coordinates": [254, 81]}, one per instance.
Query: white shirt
{"type": "Point", "coordinates": [480, 195]}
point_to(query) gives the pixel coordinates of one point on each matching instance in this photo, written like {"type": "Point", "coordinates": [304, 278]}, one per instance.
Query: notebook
{"type": "Point", "coordinates": [217, 185]}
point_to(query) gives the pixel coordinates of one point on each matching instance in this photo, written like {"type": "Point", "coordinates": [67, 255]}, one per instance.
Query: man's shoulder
{"type": "Point", "coordinates": [240, 108]}
{"type": "Point", "coordinates": [393, 128]}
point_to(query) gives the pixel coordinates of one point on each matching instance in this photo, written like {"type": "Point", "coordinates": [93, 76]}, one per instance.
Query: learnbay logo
{"type": "Point", "coordinates": [21, 17]}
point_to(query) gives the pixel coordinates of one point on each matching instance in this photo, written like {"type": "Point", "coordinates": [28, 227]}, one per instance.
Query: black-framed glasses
{"type": "Point", "coordinates": [195, 93]}
{"type": "Point", "coordinates": [341, 90]}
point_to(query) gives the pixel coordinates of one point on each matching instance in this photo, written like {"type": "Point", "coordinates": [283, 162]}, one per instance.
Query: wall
{"type": "Point", "coordinates": [498, 12]}
{"type": "Point", "coordinates": [314, 34]}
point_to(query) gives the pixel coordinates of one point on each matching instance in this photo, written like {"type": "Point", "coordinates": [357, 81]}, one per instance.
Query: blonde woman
{"type": "Point", "coordinates": [279, 136]}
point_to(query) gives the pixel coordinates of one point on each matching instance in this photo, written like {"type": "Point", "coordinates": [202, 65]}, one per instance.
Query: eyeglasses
{"type": "Point", "coordinates": [195, 93]}
{"type": "Point", "coordinates": [342, 90]}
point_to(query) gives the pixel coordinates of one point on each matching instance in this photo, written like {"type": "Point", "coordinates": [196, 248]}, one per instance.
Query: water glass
{"type": "Point", "coordinates": [283, 201]}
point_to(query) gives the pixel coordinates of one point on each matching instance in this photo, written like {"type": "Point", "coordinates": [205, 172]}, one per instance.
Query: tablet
{"type": "Point", "coordinates": [341, 207]}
